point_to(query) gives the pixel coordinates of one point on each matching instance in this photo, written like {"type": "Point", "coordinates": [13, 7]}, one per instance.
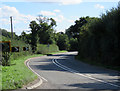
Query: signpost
{"type": "Point", "coordinates": [25, 48]}
{"type": "Point", "coordinates": [15, 49]}
{"type": "Point", "coordinates": [6, 46]}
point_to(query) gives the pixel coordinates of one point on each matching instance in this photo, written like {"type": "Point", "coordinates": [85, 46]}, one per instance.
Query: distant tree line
{"type": "Point", "coordinates": [7, 34]}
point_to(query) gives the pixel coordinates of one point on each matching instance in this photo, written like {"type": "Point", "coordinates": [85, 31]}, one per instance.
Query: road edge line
{"type": "Point", "coordinates": [26, 62]}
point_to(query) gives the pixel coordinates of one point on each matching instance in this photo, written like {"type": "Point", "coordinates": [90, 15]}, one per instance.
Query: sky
{"type": "Point", "coordinates": [65, 12]}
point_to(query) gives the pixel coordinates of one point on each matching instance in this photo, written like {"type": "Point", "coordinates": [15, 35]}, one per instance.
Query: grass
{"type": "Point", "coordinates": [117, 68]}
{"type": "Point", "coordinates": [44, 49]}
{"type": "Point", "coordinates": [17, 75]}
{"type": "Point", "coordinates": [58, 52]}
{"type": "Point", "coordinates": [0, 77]}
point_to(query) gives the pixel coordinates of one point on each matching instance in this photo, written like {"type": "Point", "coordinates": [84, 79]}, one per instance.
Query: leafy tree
{"type": "Point", "coordinates": [46, 30]}
{"type": "Point", "coordinates": [74, 30]}
{"type": "Point", "coordinates": [62, 41]}
{"type": "Point", "coordinates": [25, 37]}
{"type": "Point", "coordinates": [73, 44]}
{"type": "Point", "coordinates": [7, 34]}
{"type": "Point", "coordinates": [78, 31]}
{"type": "Point", "coordinates": [34, 29]}
{"type": "Point", "coordinates": [100, 42]}
{"type": "Point", "coordinates": [42, 31]}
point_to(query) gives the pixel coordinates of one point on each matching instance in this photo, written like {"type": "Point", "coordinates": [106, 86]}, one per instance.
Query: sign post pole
{"type": "Point", "coordinates": [11, 27]}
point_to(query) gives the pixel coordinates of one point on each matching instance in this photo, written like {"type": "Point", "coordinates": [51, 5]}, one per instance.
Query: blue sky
{"type": "Point", "coordinates": [65, 13]}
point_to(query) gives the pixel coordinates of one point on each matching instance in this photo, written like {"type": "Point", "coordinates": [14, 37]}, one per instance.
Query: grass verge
{"type": "Point", "coordinates": [45, 49]}
{"type": "Point", "coordinates": [58, 52]}
{"type": "Point", "coordinates": [117, 68]}
{"type": "Point", "coordinates": [17, 75]}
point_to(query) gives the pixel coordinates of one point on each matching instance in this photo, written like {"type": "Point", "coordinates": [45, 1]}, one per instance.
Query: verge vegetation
{"type": "Point", "coordinates": [16, 74]}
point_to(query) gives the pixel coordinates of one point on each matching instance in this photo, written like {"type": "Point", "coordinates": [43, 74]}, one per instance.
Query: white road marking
{"type": "Point", "coordinates": [35, 85]}
{"type": "Point", "coordinates": [77, 73]}
{"type": "Point", "coordinates": [36, 72]}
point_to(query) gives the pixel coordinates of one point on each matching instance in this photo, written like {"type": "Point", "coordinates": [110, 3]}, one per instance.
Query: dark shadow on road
{"type": "Point", "coordinates": [95, 86]}
{"type": "Point", "coordinates": [83, 68]}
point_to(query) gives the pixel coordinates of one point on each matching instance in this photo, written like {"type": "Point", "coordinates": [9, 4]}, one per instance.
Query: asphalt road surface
{"type": "Point", "coordinates": [62, 71]}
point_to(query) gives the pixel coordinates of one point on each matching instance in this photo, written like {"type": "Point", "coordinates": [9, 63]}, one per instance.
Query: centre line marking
{"type": "Point", "coordinates": [77, 73]}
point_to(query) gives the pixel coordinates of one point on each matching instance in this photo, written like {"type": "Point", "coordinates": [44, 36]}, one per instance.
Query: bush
{"type": "Point", "coordinates": [73, 44]}
{"type": "Point", "coordinates": [102, 41]}
{"type": "Point", "coordinates": [6, 59]}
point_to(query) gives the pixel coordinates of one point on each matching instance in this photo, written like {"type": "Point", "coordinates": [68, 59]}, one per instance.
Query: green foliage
{"type": "Point", "coordinates": [6, 58]}
{"type": "Point", "coordinates": [74, 30]}
{"type": "Point", "coordinates": [45, 49]}
{"type": "Point", "coordinates": [7, 34]}
{"type": "Point", "coordinates": [73, 44]}
{"type": "Point", "coordinates": [62, 41]}
{"type": "Point", "coordinates": [78, 31]}
{"type": "Point", "coordinates": [98, 38]}
{"type": "Point", "coordinates": [34, 38]}
{"type": "Point", "coordinates": [17, 75]}
{"type": "Point", "coordinates": [41, 32]}
{"type": "Point", "coordinates": [100, 41]}
{"type": "Point", "coordinates": [25, 37]}
{"type": "Point", "coordinates": [46, 30]}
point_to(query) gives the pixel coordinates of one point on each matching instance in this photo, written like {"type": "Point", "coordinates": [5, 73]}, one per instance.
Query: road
{"type": "Point", "coordinates": [62, 71]}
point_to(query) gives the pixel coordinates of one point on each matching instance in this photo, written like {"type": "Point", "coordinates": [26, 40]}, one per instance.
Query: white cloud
{"type": "Point", "coordinates": [56, 10]}
{"type": "Point", "coordinates": [71, 21]}
{"type": "Point", "coordinates": [99, 6]}
{"type": "Point", "coordinates": [47, 13]}
{"type": "Point", "coordinates": [18, 18]}
{"type": "Point", "coordinates": [7, 11]}
{"type": "Point", "coordinates": [59, 18]}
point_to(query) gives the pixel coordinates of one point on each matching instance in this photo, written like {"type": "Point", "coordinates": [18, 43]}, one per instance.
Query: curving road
{"type": "Point", "coordinates": [62, 71]}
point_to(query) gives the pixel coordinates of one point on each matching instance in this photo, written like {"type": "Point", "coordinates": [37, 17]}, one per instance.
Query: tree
{"type": "Point", "coordinates": [74, 30]}
{"type": "Point", "coordinates": [99, 42]}
{"type": "Point", "coordinates": [73, 44]}
{"type": "Point", "coordinates": [34, 29]}
{"type": "Point", "coordinates": [46, 30]}
{"type": "Point", "coordinates": [25, 37]}
{"type": "Point", "coordinates": [62, 41]}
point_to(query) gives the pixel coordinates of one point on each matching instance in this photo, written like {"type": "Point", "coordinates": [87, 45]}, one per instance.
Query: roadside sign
{"type": "Point", "coordinates": [6, 46]}
{"type": "Point", "coordinates": [15, 49]}
{"type": "Point", "coordinates": [25, 48]}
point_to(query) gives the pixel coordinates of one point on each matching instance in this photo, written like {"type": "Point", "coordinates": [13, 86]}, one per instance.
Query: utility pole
{"type": "Point", "coordinates": [11, 27]}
